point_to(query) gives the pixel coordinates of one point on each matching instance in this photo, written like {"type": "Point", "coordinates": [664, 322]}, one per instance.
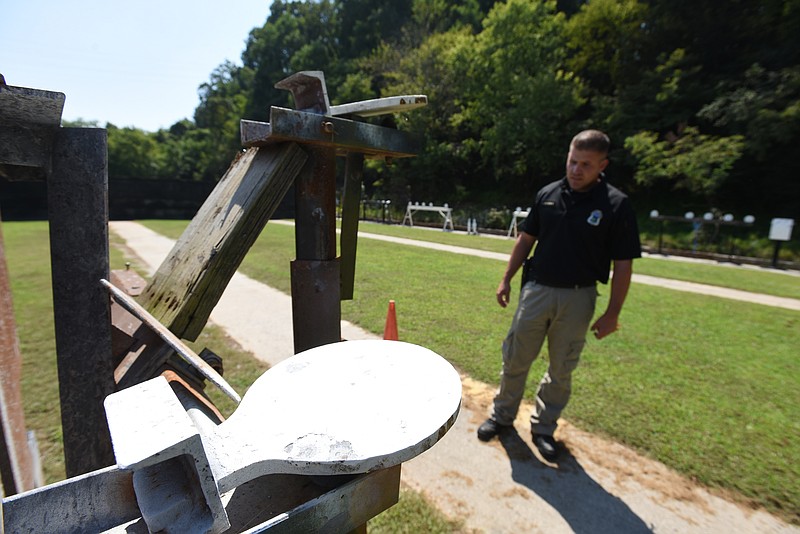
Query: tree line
{"type": "Point", "coordinates": [701, 99]}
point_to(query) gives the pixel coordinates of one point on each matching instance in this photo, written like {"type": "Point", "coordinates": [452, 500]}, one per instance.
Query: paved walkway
{"type": "Point", "coordinates": [501, 486]}
{"type": "Point", "coordinates": [677, 285]}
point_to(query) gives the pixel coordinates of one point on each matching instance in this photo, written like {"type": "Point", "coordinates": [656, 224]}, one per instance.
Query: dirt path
{"type": "Point", "coordinates": [501, 486]}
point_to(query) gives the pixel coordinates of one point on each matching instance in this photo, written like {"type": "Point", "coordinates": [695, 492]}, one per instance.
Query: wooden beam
{"type": "Point", "coordinates": [191, 280]}
{"type": "Point", "coordinates": [172, 340]}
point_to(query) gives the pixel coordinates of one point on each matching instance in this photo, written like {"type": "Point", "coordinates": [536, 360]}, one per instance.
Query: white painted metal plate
{"type": "Point", "coordinates": [380, 106]}
{"type": "Point", "coordinates": [347, 407]}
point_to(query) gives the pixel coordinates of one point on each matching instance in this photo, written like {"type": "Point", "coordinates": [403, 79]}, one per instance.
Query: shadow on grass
{"type": "Point", "coordinates": [583, 503]}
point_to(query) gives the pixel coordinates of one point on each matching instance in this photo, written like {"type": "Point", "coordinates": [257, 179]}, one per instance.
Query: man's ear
{"type": "Point", "coordinates": [603, 165]}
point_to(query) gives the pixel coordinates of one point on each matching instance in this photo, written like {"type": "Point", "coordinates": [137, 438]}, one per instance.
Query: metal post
{"type": "Point", "coordinates": [316, 311]}
{"type": "Point", "coordinates": [77, 198]}
{"type": "Point", "coordinates": [776, 253]}
{"type": "Point", "coordinates": [354, 170]}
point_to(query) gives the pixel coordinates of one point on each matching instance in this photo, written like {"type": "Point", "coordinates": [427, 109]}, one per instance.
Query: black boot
{"type": "Point", "coordinates": [546, 445]}
{"type": "Point", "coordinates": [489, 429]}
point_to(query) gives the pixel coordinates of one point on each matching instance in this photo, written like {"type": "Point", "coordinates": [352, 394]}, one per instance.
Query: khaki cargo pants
{"type": "Point", "coordinates": [563, 317]}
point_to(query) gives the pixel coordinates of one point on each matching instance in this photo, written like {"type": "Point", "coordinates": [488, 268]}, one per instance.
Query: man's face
{"type": "Point", "coordinates": [584, 168]}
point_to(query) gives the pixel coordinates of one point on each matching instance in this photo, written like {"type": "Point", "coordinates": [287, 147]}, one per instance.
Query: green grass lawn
{"type": "Point", "coordinates": [706, 385]}
{"type": "Point", "coordinates": [27, 254]}
{"type": "Point", "coordinates": [758, 281]}
{"type": "Point", "coordinates": [28, 259]}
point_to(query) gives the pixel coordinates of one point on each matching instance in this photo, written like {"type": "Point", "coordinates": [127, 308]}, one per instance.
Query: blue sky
{"type": "Point", "coordinates": [137, 63]}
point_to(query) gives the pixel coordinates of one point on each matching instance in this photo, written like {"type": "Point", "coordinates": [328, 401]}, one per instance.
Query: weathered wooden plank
{"type": "Point", "coordinates": [191, 280]}
{"type": "Point", "coordinates": [77, 198]}
{"type": "Point", "coordinates": [172, 340]}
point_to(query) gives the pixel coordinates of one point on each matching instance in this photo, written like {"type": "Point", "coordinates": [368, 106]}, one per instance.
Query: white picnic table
{"type": "Point", "coordinates": [519, 215]}
{"type": "Point", "coordinates": [445, 211]}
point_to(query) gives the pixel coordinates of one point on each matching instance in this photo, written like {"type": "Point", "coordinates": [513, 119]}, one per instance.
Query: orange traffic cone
{"type": "Point", "coordinates": [390, 330]}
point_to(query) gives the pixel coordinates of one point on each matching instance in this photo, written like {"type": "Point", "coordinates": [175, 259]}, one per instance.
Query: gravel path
{"type": "Point", "coordinates": [503, 486]}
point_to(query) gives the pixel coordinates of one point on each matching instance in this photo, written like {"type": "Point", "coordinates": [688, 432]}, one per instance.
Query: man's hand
{"type": "Point", "coordinates": [503, 293]}
{"type": "Point", "coordinates": [522, 248]}
{"type": "Point", "coordinates": [605, 325]}
{"type": "Point", "coordinates": [620, 282]}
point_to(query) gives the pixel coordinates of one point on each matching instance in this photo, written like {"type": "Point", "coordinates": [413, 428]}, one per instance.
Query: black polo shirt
{"type": "Point", "coordinates": [578, 234]}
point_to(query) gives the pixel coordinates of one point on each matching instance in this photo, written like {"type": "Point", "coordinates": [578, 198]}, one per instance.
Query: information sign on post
{"type": "Point", "coordinates": [781, 229]}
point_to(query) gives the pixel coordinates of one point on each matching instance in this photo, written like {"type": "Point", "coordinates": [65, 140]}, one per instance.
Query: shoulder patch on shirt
{"type": "Point", "coordinates": [595, 217]}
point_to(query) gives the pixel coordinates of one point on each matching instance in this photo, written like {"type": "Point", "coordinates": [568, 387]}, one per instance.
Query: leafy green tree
{"type": "Point", "coordinates": [223, 103]}
{"type": "Point", "coordinates": [438, 16]}
{"type": "Point", "coordinates": [765, 105]}
{"type": "Point", "coordinates": [632, 81]}
{"type": "Point", "coordinates": [707, 94]}
{"type": "Point", "coordinates": [296, 36]}
{"type": "Point", "coordinates": [693, 161]}
{"type": "Point", "coordinates": [365, 24]}
{"type": "Point", "coordinates": [132, 153]}
{"type": "Point", "coordinates": [520, 101]}
{"type": "Point", "coordinates": [80, 123]}
{"type": "Point", "coordinates": [608, 40]}
{"type": "Point", "coordinates": [443, 171]}
{"type": "Point", "coordinates": [187, 153]}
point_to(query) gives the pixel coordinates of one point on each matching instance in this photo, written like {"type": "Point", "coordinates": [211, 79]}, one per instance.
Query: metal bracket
{"type": "Point", "coordinates": [308, 89]}
{"type": "Point", "coordinates": [335, 132]}
{"type": "Point", "coordinates": [344, 408]}
{"type": "Point", "coordinates": [30, 118]}
{"type": "Point", "coordinates": [381, 106]}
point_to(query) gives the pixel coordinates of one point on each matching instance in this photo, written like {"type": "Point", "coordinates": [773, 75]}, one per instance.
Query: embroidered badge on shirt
{"type": "Point", "coordinates": [594, 217]}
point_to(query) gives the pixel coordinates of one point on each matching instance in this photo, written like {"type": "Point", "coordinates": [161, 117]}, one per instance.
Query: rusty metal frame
{"type": "Point", "coordinates": [322, 130]}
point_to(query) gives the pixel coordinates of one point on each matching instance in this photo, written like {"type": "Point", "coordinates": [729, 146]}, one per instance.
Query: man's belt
{"type": "Point", "coordinates": [561, 285]}
{"type": "Point", "coordinates": [528, 276]}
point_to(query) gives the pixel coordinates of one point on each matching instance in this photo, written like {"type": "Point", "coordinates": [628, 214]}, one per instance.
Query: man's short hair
{"type": "Point", "coordinates": [593, 140]}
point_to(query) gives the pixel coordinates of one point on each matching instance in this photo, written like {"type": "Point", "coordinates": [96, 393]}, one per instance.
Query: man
{"type": "Point", "coordinates": [580, 224]}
